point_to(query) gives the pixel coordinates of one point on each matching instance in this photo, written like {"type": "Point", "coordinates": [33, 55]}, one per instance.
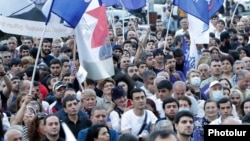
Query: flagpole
{"type": "Point", "coordinates": [232, 18]}
{"type": "Point", "coordinates": [74, 59]}
{"type": "Point", "coordinates": [171, 11]}
{"type": "Point", "coordinates": [37, 58]}
{"type": "Point", "coordinates": [148, 17]}
{"type": "Point", "coordinates": [113, 23]}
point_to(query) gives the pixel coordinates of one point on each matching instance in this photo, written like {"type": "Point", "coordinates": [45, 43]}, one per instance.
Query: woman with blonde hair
{"type": "Point", "coordinates": [236, 97]}
{"type": "Point", "coordinates": [204, 60]}
{"type": "Point", "coordinates": [88, 101]}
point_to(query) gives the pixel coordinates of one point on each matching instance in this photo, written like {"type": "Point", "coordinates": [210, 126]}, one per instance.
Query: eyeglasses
{"type": "Point", "coordinates": [41, 116]}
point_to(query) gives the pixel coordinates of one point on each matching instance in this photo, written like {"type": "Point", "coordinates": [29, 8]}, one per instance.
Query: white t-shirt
{"type": "Point", "coordinates": [134, 122]}
{"type": "Point", "coordinates": [115, 121]}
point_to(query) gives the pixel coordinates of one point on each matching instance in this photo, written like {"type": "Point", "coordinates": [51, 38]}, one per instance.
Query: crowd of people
{"type": "Point", "coordinates": [149, 97]}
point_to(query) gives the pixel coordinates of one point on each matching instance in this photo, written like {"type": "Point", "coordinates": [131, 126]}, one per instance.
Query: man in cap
{"type": "Point", "coordinates": [55, 99]}
{"type": "Point", "coordinates": [215, 92]}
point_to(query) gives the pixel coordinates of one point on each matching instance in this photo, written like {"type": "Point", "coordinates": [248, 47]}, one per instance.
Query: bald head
{"type": "Point", "coordinates": [231, 121]}
{"type": "Point", "coordinates": [13, 135]}
{"type": "Point", "coordinates": [179, 89]}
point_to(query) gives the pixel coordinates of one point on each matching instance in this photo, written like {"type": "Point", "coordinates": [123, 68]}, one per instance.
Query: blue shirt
{"type": "Point", "coordinates": [83, 133]}
{"type": "Point", "coordinates": [173, 78]}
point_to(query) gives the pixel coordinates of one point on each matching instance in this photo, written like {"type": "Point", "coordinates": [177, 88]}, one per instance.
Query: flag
{"type": "Point", "coordinates": [195, 29]}
{"type": "Point", "coordinates": [201, 9]}
{"type": "Point", "coordinates": [95, 51]}
{"type": "Point", "coordinates": [128, 4]}
{"type": "Point", "coordinates": [68, 133]}
{"type": "Point", "coordinates": [214, 6]}
{"type": "Point", "coordinates": [70, 11]}
{"type": "Point", "coordinates": [81, 74]}
{"type": "Point", "coordinates": [23, 17]}
{"type": "Point", "coordinates": [190, 56]}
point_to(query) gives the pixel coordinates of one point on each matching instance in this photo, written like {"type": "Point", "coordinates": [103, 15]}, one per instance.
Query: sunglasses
{"type": "Point", "coordinates": [41, 115]}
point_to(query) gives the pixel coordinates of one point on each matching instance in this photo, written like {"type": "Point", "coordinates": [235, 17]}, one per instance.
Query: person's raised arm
{"type": "Point", "coordinates": [20, 113]}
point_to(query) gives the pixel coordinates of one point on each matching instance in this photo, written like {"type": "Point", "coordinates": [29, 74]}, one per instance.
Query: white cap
{"type": "Point", "coordinates": [214, 83]}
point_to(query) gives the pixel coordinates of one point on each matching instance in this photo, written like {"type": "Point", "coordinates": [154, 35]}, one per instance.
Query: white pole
{"type": "Point", "coordinates": [37, 58]}
{"type": "Point", "coordinates": [171, 11]}
{"type": "Point", "coordinates": [232, 18]}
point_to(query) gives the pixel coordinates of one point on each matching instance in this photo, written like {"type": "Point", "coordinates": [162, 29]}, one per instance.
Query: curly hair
{"type": "Point", "coordinates": [33, 133]}
{"type": "Point", "coordinates": [128, 80]}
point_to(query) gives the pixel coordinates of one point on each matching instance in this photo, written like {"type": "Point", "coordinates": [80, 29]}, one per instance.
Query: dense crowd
{"type": "Point", "coordinates": [150, 96]}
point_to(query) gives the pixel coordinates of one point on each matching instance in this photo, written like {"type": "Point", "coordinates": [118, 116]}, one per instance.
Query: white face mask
{"type": "Point", "coordinates": [195, 81]}
{"type": "Point", "coordinates": [217, 95]}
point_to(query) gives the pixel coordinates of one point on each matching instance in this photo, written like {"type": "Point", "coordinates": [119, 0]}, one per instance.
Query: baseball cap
{"type": "Point", "coordinates": [59, 84]}
{"type": "Point", "coordinates": [117, 92]}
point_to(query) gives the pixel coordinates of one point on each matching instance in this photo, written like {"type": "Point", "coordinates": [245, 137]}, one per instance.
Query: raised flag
{"type": "Point", "coordinates": [196, 32]}
{"type": "Point", "coordinates": [197, 8]}
{"type": "Point", "coordinates": [214, 6]}
{"type": "Point", "coordinates": [127, 4]}
{"type": "Point", "coordinates": [72, 10]}
{"type": "Point", "coordinates": [81, 74]}
{"type": "Point", "coordinates": [190, 56]}
{"type": "Point", "coordinates": [23, 17]}
{"type": "Point", "coordinates": [201, 9]}
{"type": "Point", "coordinates": [93, 44]}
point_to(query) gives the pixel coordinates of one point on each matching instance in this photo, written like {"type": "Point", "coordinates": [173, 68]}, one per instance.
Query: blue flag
{"type": "Point", "coordinates": [128, 4]}
{"type": "Point", "coordinates": [189, 54]}
{"type": "Point", "coordinates": [201, 9]}
{"type": "Point", "coordinates": [70, 11]}
{"type": "Point", "coordinates": [214, 6]}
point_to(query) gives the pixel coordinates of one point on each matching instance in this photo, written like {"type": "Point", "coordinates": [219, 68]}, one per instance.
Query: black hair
{"type": "Point", "coordinates": [242, 106]}
{"type": "Point", "coordinates": [14, 61]}
{"type": "Point", "coordinates": [169, 100]}
{"type": "Point", "coordinates": [178, 52]}
{"type": "Point", "coordinates": [94, 131]}
{"type": "Point", "coordinates": [165, 84]}
{"type": "Point", "coordinates": [181, 114]}
{"type": "Point", "coordinates": [55, 61]}
{"type": "Point", "coordinates": [69, 98]}
{"type": "Point", "coordinates": [50, 115]}
{"type": "Point", "coordinates": [29, 73]}
{"type": "Point", "coordinates": [228, 58]}
{"type": "Point", "coordinates": [230, 85]}
{"type": "Point", "coordinates": [224, 100]}
{"type": "Point", "coordinates": [136, 90]}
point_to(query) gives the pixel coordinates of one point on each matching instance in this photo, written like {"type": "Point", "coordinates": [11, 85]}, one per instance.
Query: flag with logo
{"type": "Point", "coordinates": [127, 4]}
{"type": "Point", "coordinates": [190, 56]}
{"type": "Point", "coordinates": [88, 18]}
{"type": "Point", "coordinates": [201, 9]}
{"type": "Point", "coordinates": [93, 41]}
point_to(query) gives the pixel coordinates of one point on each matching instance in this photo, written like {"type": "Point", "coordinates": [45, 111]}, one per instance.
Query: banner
{"type": "Point", "coordinates": [23, 17]}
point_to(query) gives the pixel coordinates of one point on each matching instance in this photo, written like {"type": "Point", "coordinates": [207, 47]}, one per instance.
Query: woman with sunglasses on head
{"type": "Point", "coordinates": [36, 130]}
{"type": "Point", "coordinates": [26, 114]}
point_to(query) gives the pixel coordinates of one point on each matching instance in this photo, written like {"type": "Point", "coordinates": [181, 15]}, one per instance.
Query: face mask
{"type": "Point", "coordinates": [196, 81]}
{"type": "Point", "coordinates": [184, 109]}
{"type": "Point", "coordinates": [217, 95]}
